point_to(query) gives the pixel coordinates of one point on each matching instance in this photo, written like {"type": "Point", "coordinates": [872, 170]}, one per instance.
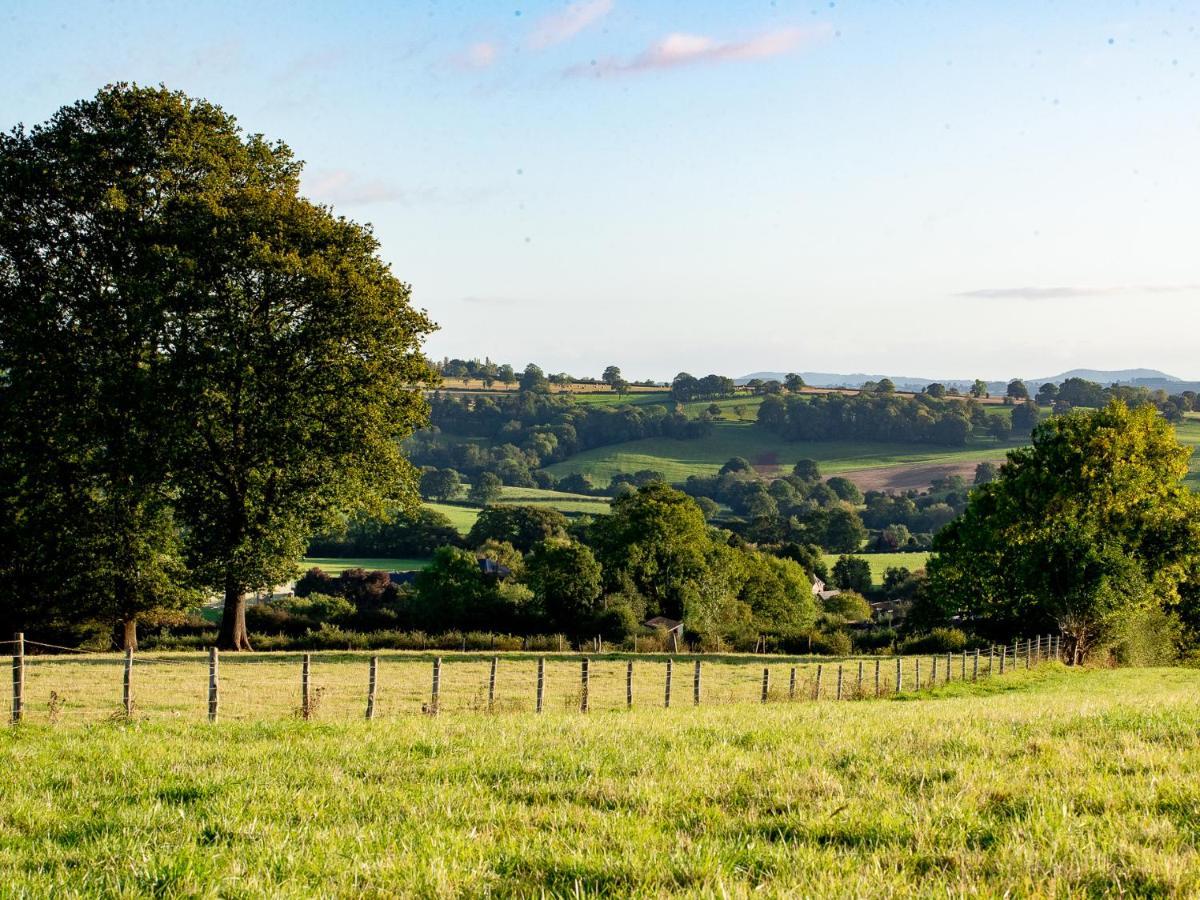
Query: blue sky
{"type": "Point", "coordinates": [948, 189]}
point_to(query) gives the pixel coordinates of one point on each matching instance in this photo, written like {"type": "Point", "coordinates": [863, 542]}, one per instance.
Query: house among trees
{"type": "Point", "coordinates": [821, 591]}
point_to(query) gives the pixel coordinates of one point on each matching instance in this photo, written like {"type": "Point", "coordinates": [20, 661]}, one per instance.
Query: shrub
{"type": "Point", "coordinates": [1146, 637]}
{"type": "Point", "coordinates": [938, 640]}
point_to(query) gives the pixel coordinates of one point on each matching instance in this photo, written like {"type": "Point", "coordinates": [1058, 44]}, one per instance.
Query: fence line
{"type": "Point", "coordinates": [490, 684]}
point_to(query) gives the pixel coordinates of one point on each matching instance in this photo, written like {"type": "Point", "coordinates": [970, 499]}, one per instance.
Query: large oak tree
{"type": "Point", "coordinates": [270, 361]}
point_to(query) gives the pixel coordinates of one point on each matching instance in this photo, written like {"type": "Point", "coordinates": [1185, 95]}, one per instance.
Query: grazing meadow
{"type": "Point", "coordinates": [1050, 782]}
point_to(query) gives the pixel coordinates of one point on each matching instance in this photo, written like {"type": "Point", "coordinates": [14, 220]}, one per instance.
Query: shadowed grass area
{"type": "Point", "coordinates": [1051, 783]}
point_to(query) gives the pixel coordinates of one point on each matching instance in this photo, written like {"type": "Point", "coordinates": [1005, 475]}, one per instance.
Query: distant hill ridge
{"type": "Point", "coordinates": [1147, 378]}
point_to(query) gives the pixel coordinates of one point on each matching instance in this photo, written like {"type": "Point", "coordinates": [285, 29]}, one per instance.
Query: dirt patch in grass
{"type": "Point", "coordinates": [897, 479]}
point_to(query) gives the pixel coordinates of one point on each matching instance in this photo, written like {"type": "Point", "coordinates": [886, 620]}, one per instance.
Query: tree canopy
{"type": "Point", "coordinates": [1089, 523]}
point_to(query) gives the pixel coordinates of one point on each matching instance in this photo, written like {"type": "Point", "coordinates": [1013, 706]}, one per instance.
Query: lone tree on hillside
{"type": "Point", "coordinates": [1086, 526]}
{"type": "Point", "coordinates": [281, 358]}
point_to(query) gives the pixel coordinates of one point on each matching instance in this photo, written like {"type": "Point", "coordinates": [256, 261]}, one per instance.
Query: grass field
{"type": "Point", "coordinates": [677, 459]}
{"type": "Point", "coordinates": [1051, 783]}
{"type": "Point", "coordinates": [881, 562]}
{"type": "Point", "coordinates": [463, 517]}
{"type": "Point", "coordinates": [1189, 433]}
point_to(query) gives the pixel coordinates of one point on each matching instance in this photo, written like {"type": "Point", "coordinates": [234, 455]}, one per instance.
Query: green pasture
{"type": "Point", "coordinates": [1052, 783]}
{"type": "Point", "coordinates": [881, 562]}
{"type": "Point", "coordinates": [677, 459]}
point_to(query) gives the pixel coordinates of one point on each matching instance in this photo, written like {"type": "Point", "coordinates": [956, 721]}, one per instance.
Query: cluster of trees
{"type": "Point", "coordinates": [799, 507]}
{"type": "Point", "coordinates": [527, 430]}
{"type": "Point", "coordinates": [685, 387]}
{"type": "Point", "coordinates": [1085, 531]}
{"type": "Point", "coordinates": [909, 520]}
{"type": "Point", "coordinates": [1079, 392]}
{"type": "Point", "coordinates": [655, 555]}
{"type": "Point", "coordinates": [885, 416]}
{"type": "Point", "coordinates": [198, 367]}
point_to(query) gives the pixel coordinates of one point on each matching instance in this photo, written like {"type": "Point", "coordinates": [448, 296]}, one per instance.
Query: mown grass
{"type": "Point", "coordinates": [1051, 783]}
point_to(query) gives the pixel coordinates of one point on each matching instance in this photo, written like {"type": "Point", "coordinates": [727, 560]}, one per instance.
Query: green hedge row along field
{"type": "Point", "coordinates": [1048, 783]}
{"type": "Point", "coordinates": [172, 686]}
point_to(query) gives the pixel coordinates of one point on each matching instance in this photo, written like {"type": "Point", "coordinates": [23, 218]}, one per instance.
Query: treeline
{"type": "Point", "coordinates": [1079, 392]}
{"type": "Point", "coordinates": [528, 570]}
{"type": "Point", "coordinates": [527, 430]}
{"type": "Point", "coordinates": [886, 417]}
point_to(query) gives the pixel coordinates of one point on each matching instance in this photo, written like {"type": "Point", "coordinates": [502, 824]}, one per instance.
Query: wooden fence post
{"type": "Point", "coordinates": [766, 684]}
{"type": "Point", "coordinates": [214, 689]}
{"type": "Point", "coordinates": [541, 681]}
{"type": "Point", "coordinates": [933, 674]}
{"type": "Point", "coordinates": [839, 686]}
{"type": "Point", "coordinates": [305, 700]}
{"type": "Point", "coordinates": [1037, 654]}
{"type": "Point", "coordinates": [584, 685]}
{"type": "Point", "coordinates": [963, 669]}
{"type": "Point", "coordinates": [792, 684]}
{"type": "Point", "coordinates": [899, 674]}
{"type": "Point", "coordinates": [667, 687]}
{"type": "Point", "coordinates": [372, 680]}
{"type": "Point", "coordinates": [975, 666]}
{"type": "Point", "coordinates": [436, 693]}
{"type": "Point", "coordinates": [1028, 653]}
{"type": "Point", "coordinates": [492, 683]}
{"type": "Point", "coordinates": [949, 667]}
{"type": "Point", "coordinates": [629, 684]}
{"type": "Point", "coordinates": [991, 659]}
{"type": "Point", "coordinates": [917, 673]}
{"type": "Point", "coordinates": [817, 686]}
{"type": "Point", "coordinates": [1003, 657]}
{"type": "Point", "coordinates": [696, 685]}
{"type": "Point", "coordinates": [127, 683]}
{"type": "Point", "coordinates": [858, 690]}
{"type": "Point", "coordinates": [18, 678]}
{"type": "Point", "coordinates": [878, 663]}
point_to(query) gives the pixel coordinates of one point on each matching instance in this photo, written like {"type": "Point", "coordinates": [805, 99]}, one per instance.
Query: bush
{"type": "Point", "coordinates": [938, 640]}
{"type": "Point", "coordinates": [1147, 637]}
{"type": "Point", "coordinates": [874, 640]}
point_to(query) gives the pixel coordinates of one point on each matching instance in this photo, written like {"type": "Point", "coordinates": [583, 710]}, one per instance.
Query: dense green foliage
{"type": "Point", "coordinates": [882, 416]}
{"type": "Point", "coordinates": [1090, 524]}
{"type": "Point", "coordinates": [216, 366]}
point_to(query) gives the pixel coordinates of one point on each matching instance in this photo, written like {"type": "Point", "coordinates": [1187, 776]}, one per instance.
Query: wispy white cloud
{"type": "Point", "coordinates": [680, 49]}
{"type": "Point", "coordinates": [340, 187]}
{"type": "Point", "coordinates": [480, 55]}
{"type": "Point", "coordinates": [558, 27]}
{"type": "Point", "coordinates": [1066, 293]}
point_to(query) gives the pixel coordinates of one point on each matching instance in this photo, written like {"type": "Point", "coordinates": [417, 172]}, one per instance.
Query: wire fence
{"type": "Point", "coordinates": [65, 685]}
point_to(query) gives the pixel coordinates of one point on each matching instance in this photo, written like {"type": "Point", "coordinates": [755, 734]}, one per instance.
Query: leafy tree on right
{"type": "Point", "coordinates": [1088, 526]}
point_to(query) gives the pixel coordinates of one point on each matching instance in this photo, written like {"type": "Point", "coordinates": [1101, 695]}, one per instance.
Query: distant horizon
{"type": "Point", "coordinates": [631, 375]}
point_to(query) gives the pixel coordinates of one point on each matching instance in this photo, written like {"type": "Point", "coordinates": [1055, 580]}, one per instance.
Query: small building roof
{"type": "Point", "coordinates": [663, 622]}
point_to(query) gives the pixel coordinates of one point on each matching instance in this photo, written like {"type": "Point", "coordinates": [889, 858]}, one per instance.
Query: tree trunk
{"type": "Point", "coordinates": [233, 634]}
{"type": "Point", "coordinates": [129, 634]}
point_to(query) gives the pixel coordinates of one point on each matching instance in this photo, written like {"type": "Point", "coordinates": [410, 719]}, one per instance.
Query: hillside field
{"type": "Point", "coordinates": [881, 562]}
{"type": "Point", "coordinates": [677, 459]}
{"type": "Point", "coordinates": [1048, 783]}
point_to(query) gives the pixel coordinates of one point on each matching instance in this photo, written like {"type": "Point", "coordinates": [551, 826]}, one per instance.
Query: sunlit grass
{"type": "Point", "coordinates": [1051, 783]}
